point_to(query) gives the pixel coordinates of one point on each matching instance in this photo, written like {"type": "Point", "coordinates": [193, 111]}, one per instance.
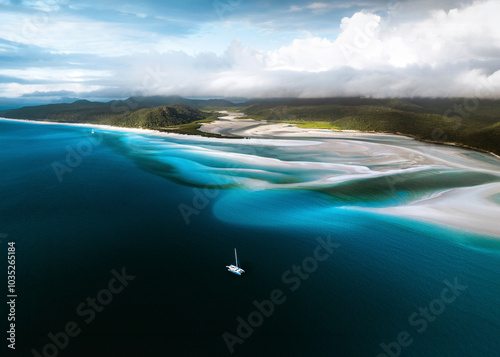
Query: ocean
{"type": "Point", "coordinates": [122, 240]}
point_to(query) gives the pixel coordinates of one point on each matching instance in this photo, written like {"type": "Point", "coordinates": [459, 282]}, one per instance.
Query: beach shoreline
{"type": "Point", "coordinates": [446, 209]}
{"type": "Point", "coordinates": [88, 125]}
{"type": "Point", "coordinates": [277, 129]}
{"type": "Point", "coordinates": [221, 127]}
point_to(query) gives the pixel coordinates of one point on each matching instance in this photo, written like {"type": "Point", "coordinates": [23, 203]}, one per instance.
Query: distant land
{"type": "Point", "coordinates": [172, 113]}
{"type": "Point", "coordinates": [469, 122]}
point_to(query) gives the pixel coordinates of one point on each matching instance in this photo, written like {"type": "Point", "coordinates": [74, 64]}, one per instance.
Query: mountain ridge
{"type": "Point", "coordinates": [468, 122]}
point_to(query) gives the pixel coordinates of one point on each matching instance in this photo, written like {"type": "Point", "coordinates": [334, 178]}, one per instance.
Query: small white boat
{"type": "Point", "coordinates": [235, 268]}
{"type": "Point", "coordinates": [92, 130]}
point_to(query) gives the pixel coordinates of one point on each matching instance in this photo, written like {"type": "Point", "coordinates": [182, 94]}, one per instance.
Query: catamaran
{"type": "Point", "coordinates": [235, 268]}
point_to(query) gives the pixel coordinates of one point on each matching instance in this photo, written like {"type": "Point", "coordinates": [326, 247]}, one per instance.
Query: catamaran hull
{"type": "Point", "coordinates": [234, 269]}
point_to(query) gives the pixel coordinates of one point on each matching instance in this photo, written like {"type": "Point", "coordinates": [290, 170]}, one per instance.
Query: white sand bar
{"type": "Point", "coordinates": [474, 208]}
{"type": "Point", "coordinates": [356, 156]}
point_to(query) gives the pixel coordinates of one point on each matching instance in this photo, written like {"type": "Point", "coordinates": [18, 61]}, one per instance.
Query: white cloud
{"type": "Point", "coordinates": [64, 34]}
{"type": "Point", "coordinates": [46, 5]}
{"type": "Point", "coordinates": [454, 53]}
{"type": "Point", "coordinates": [14, 90]}
{"type": "Point", "coordinates": [447, 53]}
{"type": "Point", "coordinates": [62, 75]}
{"type": "Point", "coordinates": [318, 6]}
{"type": "Point", "coordinates": [457, 36]}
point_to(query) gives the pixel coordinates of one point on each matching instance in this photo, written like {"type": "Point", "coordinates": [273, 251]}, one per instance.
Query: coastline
{"type": "Point", "coordinates": [446, 208]}
{"type": "Point", "coordinates": [276, 129]}
{"type": "Point", "coordinates": [215, 128]}
{"type": "Point", "coordinates": [453, 144]}
{"type": "Point", "coordinates": [88, 125]}
{"type": "Point", "coordinates": [249, 127]}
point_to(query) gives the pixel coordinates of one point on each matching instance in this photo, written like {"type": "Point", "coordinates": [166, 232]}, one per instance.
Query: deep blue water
{"type": "Point", "coordinates": [120, 208]}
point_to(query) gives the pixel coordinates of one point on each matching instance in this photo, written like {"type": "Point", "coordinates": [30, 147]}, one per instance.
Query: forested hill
{"type": "Point", "coordinates": [160, 117]}
{"type": "Point", "coordinates": [84, 111]}
{"type": "Point", "coordinates": [97, 113]}
{"type": "Point", "coordinates": [469, 122]}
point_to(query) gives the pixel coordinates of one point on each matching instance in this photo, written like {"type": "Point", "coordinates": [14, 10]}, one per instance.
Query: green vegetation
{"type": "Point", "coordinates": [176, 118]}
{"type": "Point", "coordinates": [121, 112]}
{"type": "Point", "coordinates": [81, 111]}
{"type": "Point", "coordinates": [192, 129]}
{"type": "Point", "coordinates": [315, 125]}
{"type": "Point", "coordinates": [160, 117]}
{"type": "Point", "coordinates": [468, 122]}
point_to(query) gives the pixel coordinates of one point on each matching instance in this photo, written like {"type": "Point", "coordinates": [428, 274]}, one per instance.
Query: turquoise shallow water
{"type": "Point", "coordinates": [121, 206]}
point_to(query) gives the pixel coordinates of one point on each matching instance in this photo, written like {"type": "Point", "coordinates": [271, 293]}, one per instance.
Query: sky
{"type": "Point", "coordinates": [51, 49]}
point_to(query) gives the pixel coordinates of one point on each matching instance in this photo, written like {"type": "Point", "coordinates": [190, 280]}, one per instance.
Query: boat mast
{"type": "Point", "coordinates": [236, 257]}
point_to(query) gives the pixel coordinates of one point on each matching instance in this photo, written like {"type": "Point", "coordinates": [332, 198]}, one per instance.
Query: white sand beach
{"type": "Point", "coordinates": [94, 126]}
{"type": "Point", "coordinates": [248, 127]}
{"type": "Point", "coordinates": [348, 156]}
{"type": "Point", "coordinates": [469, 208]}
